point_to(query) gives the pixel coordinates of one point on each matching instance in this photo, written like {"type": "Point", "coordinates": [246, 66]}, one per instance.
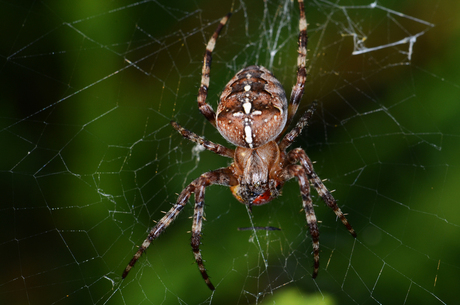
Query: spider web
{"type": "Point", "coordinates": [89, 159]}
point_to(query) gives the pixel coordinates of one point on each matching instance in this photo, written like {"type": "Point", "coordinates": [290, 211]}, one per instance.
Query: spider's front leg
{"type": "Point", "coordinates": [299, 155]}
{"type": "Point", "coordinates": [304, 185]}
{"type": "Point", "coordinates": [223, 176]}
{"type": "Point", "coordinates": [304, 173]}
{"type": "Point", "coordinates": [161, 225]}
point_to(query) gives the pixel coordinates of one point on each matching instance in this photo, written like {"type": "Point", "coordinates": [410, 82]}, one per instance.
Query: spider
{"type": "Point", "coordinates": [253, 113]}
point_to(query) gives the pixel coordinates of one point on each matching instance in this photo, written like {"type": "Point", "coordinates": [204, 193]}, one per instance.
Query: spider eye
{"type": "Point", "coordinates": [253, 108]}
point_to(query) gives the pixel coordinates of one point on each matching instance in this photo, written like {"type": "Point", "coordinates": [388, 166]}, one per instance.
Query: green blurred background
{"type": "Point", "coordinates": [88, 158]}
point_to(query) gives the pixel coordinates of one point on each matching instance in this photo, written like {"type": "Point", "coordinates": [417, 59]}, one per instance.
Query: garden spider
{"type": "Point", "coordinates": [252, 114]}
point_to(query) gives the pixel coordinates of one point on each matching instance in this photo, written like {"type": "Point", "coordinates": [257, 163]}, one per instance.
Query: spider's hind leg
{"type": "Point", "coordinates": [299, 87]}
{"type": "Point", "coordinates": [290, 137]}
{"type": "Point", "coordinates": [204, 107]}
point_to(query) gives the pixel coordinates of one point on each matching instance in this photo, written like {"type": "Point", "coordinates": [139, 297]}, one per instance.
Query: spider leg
{"type": "Point", "coordinates": [204, 107]}
{"type": "Point", "coordinates": [221, 176]}
{"type": "Point", "coordinates": [299, 155]}
{"type": "Point", "coordinates": [161, 225]}
{"type": "Point", "coordinates": [299, 172]}
{"type": "Point", "coordinates": [216, 148]}
{"type": "Point", "coordinates": [299, 87]}
{"type": "Point", "coordinates": [304, 173]}
{"type": "Point", "coordinates": [289, 138]}
{"type": "Point", "coordinates": [196, 234]}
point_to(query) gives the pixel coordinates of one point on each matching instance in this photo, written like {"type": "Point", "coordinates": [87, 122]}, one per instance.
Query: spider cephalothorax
{"type": "Point", "coordinates": [258, 170]}
{"type": "Point", "coordinates": [252, 114]}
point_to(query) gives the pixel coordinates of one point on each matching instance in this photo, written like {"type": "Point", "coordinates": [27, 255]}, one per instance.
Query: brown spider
{"type": "Point", "coordinates": [252, 114]}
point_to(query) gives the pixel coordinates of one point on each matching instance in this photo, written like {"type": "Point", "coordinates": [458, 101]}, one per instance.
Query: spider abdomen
{"type": "Point", "coordinates": [252, 109]}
